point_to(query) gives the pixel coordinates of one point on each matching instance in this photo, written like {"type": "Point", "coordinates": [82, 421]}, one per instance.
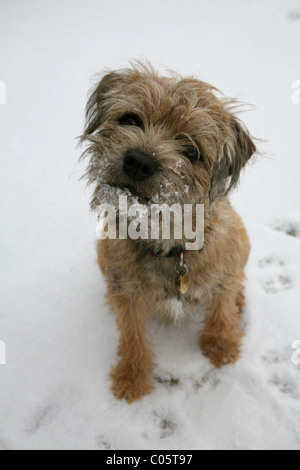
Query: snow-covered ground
{"type": "Point", "coordinates": [60, 340]}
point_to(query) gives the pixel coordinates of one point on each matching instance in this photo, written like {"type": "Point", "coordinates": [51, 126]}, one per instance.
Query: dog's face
{"type": "Point", "coordinates": [163, 139]}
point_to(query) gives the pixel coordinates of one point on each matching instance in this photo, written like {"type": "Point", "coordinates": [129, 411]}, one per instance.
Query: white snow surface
{"type": "Point", "coordinates": [60, 339]}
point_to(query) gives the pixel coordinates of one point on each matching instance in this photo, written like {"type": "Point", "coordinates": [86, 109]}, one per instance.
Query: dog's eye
{"type": "Point", "coordinates": [192, 154]}
{"type": "Point", "coordinates": [131, 120]}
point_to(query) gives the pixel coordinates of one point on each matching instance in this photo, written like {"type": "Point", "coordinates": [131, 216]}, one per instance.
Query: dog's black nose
{"type": "Point", "coordinates": [139, 166]}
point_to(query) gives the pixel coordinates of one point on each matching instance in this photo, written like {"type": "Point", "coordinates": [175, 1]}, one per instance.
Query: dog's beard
{"type": "Point", "coordinates": [168, 195]}
{"type": "Point", "coordinates": [109, 187]}
{"type": "Point", "coordinates": [169, 188]}
{"type": "Point", "coordinates": [109, 194]}
{"type": "Point", "coordinates": [145, 211]}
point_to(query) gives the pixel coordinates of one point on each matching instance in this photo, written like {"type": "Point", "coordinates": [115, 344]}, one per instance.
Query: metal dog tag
{"type": "Point", "coordinates": [183, 278]}
{"type": "Point", "coordinates": [184, 284]}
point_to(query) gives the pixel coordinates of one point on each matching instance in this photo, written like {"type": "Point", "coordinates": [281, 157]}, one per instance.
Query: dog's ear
{"type": "Point", "coordinates": [236, 151]}
{"type": "Point", "coordinates": [95, 107]}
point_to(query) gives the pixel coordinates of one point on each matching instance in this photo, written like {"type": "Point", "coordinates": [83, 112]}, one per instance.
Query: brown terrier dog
{"type": "Point", "coordinates": [151, 136]}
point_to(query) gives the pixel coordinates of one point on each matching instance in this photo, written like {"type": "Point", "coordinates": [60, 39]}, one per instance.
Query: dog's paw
{"type": "Point", "coordinates": [220, 351]}
{"type": "Point", "coordinates": [131, 391]}
{"type": "Point", "coordinates": [130, 388]}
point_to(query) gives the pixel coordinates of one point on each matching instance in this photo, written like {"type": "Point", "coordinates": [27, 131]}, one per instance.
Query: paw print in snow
{"type": "Point", "coordinates": [273, 275]}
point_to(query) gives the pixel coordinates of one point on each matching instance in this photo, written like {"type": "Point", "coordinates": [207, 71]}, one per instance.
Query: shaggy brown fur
{"type": "Point", "coordinates": [197, 142]}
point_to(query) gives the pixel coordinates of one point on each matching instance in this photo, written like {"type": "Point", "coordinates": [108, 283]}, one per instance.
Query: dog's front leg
{"type": "Point", "coordinates": [132, 376]}
{"type": "Point", "coordinates": [221, 336]}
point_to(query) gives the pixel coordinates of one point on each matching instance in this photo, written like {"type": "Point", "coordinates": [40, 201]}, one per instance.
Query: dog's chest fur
{"type": "Point", "coordinates": [175, 309]}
